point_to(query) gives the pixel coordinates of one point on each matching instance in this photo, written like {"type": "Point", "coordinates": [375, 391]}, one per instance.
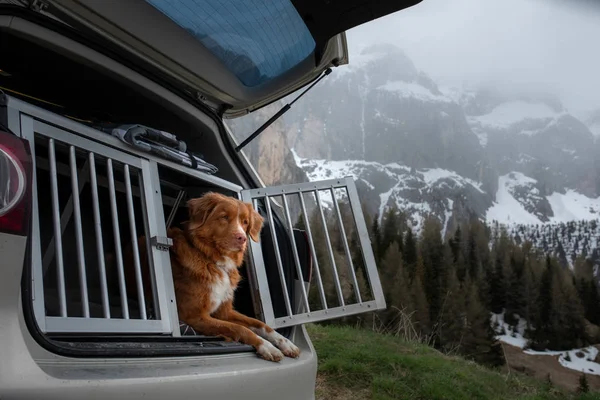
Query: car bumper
{"type": "Point", "coordinates": [27, 371]}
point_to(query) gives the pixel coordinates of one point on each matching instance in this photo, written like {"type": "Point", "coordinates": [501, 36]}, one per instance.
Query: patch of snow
{"type": "Point", "coordinates": [413, 90]}
{"type": "Point", "coordinates": [447, 216]}
{"type": "Point", "coordinates": [573, 206]}
{"type": "Point", "coordinates": [506, 209]}
{"type": "Point", "coordinates": [483, 138]}
{"type": "Point", "coordinates": [595, 129]}
{"type": "Point", "coordinates": [384, 198]}
{"type": "Point", "coordinates": [580, 364]}
{"type": "Point", "coordinates": [505, 332]}
{"type": "Point", "coordinates": [507, 114]}
{"type": "Point", "coordinates": [432, 175]}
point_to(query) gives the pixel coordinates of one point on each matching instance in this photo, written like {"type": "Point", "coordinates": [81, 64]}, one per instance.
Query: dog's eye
{"type": "Point", "coordinates": [246, 222]}
{"type": "Point", "coordinates": [225, 217]}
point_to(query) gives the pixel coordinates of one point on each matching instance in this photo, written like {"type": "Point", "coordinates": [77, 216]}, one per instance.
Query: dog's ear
{"type": "Point", "coordinates": [255, 224]}
{"type": "Point", "coordinates": [201, 208]}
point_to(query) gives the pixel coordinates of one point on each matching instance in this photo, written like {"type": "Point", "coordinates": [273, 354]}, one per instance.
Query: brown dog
{"type": "Point", "coordinates": [205, 258]}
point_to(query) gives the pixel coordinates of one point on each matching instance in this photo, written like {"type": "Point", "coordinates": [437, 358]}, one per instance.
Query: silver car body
{"type": "Point", "coordinates": [28, 370]}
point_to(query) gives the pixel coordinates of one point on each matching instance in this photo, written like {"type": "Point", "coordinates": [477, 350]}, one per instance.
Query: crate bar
{"type": "Point", "coordinates": [62, 297]}
{"type": "Point", "coordinates": [150, 258]}
{"type": "Point", "coordinates": [79, 234]}
{"type": "Point", "coordinates": [295, 252]}
{"type": "Point", "coordinates": [134, 244]}
{"type": "Point", "coordinates": [82, 143]}
{"type": "Point", "coordinates": [103, 182]}
{"type": "Point", "coordinates": [99, 241]}
{"type": "Point", "coordinates": [66, 213]}
{"type": "Point", "coordinates": [117, 237]}
{"type": "Point", "coordinates": [338, 287]}
{"type": "Point", "coordinates": [261, 296]}
{"type": "Point", "coordinates": [102, 325]}
{"type": "Point", "coordinates": [365, 243]}
{"type": "Point", "coordinates": [320, 315]}
{"type": "Point", "coordinates": [286, 297]}
{"type": "Point", "coordinates": [37, 277]}
{"type": "Point", "coordinates": [160, 261]}
{"type": "Point", "coordinates": [313, 252]}
{"type": "Point", "coordinates": [178, 200]}
{"type": "Point", "coordinates": [305, 187]}
{"type": "Point", "coordinates": [346, 247]}
{"type": "Point", "coordinates": [102, 139]}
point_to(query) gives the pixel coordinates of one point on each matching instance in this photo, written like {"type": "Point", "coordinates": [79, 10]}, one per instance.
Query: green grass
{"type": "Point", "coordinates": [358, 364]}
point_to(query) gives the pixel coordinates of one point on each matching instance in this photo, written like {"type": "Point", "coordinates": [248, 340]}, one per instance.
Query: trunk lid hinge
{"type": "Point", "coordinates": [38, 5]}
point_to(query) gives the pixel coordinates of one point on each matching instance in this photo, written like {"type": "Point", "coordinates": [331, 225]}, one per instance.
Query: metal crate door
{"type": "Point", "coordinates": [72, 164]}
{"type": "Point", "coordinates": [343, 265]}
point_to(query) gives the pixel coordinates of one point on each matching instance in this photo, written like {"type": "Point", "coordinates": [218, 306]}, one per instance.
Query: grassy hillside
{"type": "Point", "coordinates": [358, 364]}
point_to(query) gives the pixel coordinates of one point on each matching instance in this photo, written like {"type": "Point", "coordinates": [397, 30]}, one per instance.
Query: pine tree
{"type": "Point", "coordinates": [389, 267]}
{"type": "Point", "coordinates": [460, 267]}
{"type": "Point", "coordinates": [498, 282]}
{"type": "Point", "coordinates": [376, 238]}
{"type": "Point", "coordinates": [562, 256]}
{"type": "Point", "coordinates": [410, 254]}
{"type": "Point", "coordinates": [584, 386]}
{"type": "Point", "coordinates": [479, 342]}
{"type": "Point", "coordinates": [452, 320]}
{"type": "Point", "coordinates": [473, 258]}
{"type": "Point", "coordinates": [390, 231]}
{"type": "Point", "coordinates": [456, 243]}
{"type": "Point", "coordinates": [432, 253]}
{"type": "Point", "coordinates": [568, 316]}
{"type": "Point", "coordinates": [592, 302]}
{"type": "Point", "coordinates": [516, 301]}
{"type": "Point", "coordinates": [544, 332]}
{"type": "Point", "coordinates": [420, 311]}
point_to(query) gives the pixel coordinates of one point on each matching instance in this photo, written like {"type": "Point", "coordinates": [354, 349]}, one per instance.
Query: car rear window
{"type": "Point", "coordinates": [257, 40]}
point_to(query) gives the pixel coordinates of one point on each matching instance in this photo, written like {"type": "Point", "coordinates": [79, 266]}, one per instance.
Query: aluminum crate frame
{"type": "Point", "coordinates": [301, 313]}
{"type": "Point", "coordinates": [29, 120]}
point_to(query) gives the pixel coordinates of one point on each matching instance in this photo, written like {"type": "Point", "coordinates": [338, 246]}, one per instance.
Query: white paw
{"type": "Point", "coordinates": [269, 352]}
{"type": "Point", "coordinates": [287, 347]}
{"type": "Point", "coordinates": [281, 342]}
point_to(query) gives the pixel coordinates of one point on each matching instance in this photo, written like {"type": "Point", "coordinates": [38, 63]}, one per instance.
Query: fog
{"type": "Point", "coordinates": [531, 45]}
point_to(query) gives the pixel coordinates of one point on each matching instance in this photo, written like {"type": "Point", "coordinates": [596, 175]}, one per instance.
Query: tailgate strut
{"type": "Point", "coordinates": [279, 114]}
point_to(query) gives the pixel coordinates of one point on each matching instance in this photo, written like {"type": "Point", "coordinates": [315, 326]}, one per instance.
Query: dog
{"type": "Point", "coordinates": [205, 257]}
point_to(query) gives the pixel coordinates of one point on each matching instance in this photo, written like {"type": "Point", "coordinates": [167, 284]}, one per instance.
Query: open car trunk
{"type": "Point", "coordinates": [92, 194]}
{"type": "Point", "coordinates": [237, 55]}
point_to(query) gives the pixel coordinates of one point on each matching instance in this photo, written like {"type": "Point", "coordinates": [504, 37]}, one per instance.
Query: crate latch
{"type": "Point", "coordinates": [161, 242]}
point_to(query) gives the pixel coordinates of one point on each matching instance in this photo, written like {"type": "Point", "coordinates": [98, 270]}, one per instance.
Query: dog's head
{"type": "Point", "coordinates": [224, 222]}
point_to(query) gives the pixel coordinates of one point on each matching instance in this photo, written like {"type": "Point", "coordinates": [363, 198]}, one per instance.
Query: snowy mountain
{"type": "Point", "coordinates": [416, 192]}
{"type": "Point", "coordinates": [457, 154]}
{"type": "Point", "coordinates": [592, 121]}
{"type": "Point", "coordinates": [519, 201]}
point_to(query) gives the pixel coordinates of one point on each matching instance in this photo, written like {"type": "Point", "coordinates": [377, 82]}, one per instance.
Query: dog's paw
{"type": "Point", "coordinates": [269, 352]}
{"type": "Point", "coordinates": [288, 348]}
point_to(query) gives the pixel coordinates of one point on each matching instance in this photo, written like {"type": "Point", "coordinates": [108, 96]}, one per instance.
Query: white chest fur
{"type": "Point", "coordinates": [221, 288]}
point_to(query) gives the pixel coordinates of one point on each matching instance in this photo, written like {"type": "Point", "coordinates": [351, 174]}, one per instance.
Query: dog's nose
{"type": "Point", "coordinates": [241, 238]}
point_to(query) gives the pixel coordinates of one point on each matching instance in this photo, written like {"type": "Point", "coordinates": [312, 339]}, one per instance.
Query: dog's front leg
{"type": "Point", "coordinates": [215, 327]}
{"type": "Point", "coordinates": [227, 313]}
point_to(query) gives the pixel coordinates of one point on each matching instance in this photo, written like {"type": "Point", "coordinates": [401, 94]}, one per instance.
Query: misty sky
{"type": "Point", "coordinates": [541, 45]}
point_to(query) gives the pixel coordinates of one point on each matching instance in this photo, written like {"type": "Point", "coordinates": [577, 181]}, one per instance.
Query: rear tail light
{"type": "Point", "coordinates": [15, 184]}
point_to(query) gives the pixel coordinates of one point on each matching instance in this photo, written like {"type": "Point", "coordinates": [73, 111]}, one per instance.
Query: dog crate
{"type": "Point", "coordinates": [342, 262]}
{"type": "Point", "coordinates": [93, 196]}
